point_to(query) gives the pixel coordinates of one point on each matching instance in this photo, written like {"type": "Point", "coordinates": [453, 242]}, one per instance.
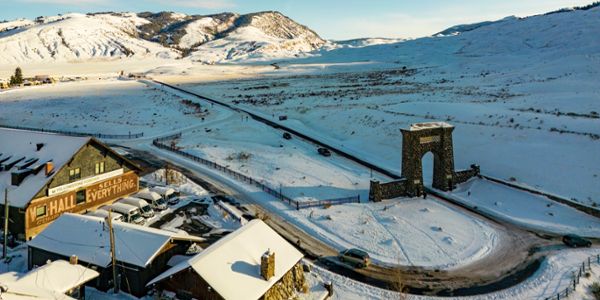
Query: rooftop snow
{"type": "Point", "coordinates": [21, 143]}
{"type": "Point", "coordinates": [231, 266]}
{"type": "Point", "coordinates": [88, 238]}
{"type": "Point", "coordinates": [429, 125]}
{"type": "Point", "coordinates": [50, 281]}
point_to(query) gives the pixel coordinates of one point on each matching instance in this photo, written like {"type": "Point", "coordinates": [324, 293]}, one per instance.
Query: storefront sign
{"type": "Point", "coordinates": [83, 182]}
{"type": "Point", "coordinates": [94, 195]}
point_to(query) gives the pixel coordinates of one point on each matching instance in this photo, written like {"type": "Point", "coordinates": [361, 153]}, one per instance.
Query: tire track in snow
{"type": "Point", "coordinates": [397, 242]}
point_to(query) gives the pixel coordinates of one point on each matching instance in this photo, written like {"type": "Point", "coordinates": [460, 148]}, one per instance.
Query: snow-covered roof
{"type": "Point", "coordinates": [88, 238]}
{"type": "Point", "coordinates": [50, 281]}
{"type": "Point", "coordinates": [22, 143]}
{"type": "Point", "coordinates": [231, 266]}
{"type": "Point", "coordinates": [428, 125]}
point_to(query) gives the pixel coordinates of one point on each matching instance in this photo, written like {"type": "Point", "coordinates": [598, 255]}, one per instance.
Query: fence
{"type": "Point", "coordinates": [247, 179]}
{"type": "Point", "coordinates": [72, 133]}
{"type": "Point", "coordinates": [564, 294]}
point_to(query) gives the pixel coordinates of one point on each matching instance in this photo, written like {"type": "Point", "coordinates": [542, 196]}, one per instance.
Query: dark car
{"type": "Point", "coordinates": [355, 257]}
{"type": "Point", "coordinates": [287, 136]}
{"type": "Point", "coordinates": [573, 240]}
{"type": "Point", "coordinates": [324, 151]}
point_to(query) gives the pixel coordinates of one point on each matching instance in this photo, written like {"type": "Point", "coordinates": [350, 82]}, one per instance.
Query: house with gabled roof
{"type": "Point", "coordinates": [44, 175]}
{"type": "Point", "coordinates": [253, 262]}
{"type": "Point", "coordinates": [141, 253]}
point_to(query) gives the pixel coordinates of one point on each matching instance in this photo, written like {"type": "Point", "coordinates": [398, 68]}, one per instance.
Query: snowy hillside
{"type": "Point", "coordinates": [76, 37]}
{"type": "Point", "coordinates": [213, 38]}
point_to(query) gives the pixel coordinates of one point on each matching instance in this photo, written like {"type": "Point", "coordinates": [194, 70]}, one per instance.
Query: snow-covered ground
{"type": "Point", "coordinates": [525, 209]}
{"type": "Point", "coordinates": [102, 106]}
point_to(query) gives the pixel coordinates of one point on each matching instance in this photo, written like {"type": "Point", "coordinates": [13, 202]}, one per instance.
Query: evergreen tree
{"type": "Point", "coordinates": [17, 78]}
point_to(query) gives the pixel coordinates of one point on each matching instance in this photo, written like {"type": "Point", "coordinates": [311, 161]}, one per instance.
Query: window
{"type": "Point", "coordinates": [80, 197]}
{"type": "Point", "coordinates": [100, 167]}
{"type": "Point", "coordinates": [74, 174]}
{"type": "Point", "coordinates": [40, 211]}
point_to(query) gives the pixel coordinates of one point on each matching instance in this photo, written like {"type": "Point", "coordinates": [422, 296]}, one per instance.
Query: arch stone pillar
{"type": "Point", "coordinates": [417, 140]}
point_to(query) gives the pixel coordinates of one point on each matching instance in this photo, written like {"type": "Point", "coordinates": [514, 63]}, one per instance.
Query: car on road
{"type": "Point", "coordinates": [355, 257]}
{"type": "Point", "coordinates": [287, 136]}
{"type": "Point", "coordinates": [574, 241]}
{"type": "Point", "coordinates": [324, 151]}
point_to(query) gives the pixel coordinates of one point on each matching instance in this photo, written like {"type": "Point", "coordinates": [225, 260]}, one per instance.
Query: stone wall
{"type": "Point", "coordinates": [288, 286]}
{"type": "Point", "coordinates": [464, 175]}
{"type": "Point", "coordinates": [381, 191]}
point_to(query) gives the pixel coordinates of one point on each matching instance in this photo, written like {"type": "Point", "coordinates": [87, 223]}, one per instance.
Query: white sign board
{"type": "Point", "coordinates": [83, 182]}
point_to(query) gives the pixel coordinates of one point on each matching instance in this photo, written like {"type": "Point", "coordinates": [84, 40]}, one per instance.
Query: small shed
{"type": "Point", "coordinates": [142, 253]}
{"type": "Point", "coordinates": [253, 262]}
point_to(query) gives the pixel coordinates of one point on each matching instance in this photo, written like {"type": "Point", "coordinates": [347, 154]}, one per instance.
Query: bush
{"type": "Point", "coordinates": [595, 289]}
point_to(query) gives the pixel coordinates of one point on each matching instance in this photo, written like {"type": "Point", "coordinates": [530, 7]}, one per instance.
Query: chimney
{"type": "Point", "coordinates": [49, 168]}
{"type": "Point", "coordinates": [267, 265]}
{"type": "Point", "coordinates": [39, 146]}
{"type": "Point", "coordinates": [73, 259]}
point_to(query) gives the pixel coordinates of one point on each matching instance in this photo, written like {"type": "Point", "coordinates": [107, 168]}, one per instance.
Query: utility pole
{"type": "Point", "coordinates": [112, 251]}
{"type": "Point", "coordinates": [4, 248]}
{"type": "Point", "coordinates": [167, 174]}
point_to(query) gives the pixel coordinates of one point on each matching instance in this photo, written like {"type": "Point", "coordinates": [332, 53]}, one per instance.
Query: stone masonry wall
{"type": "Point", "coordinates": [286, 288]}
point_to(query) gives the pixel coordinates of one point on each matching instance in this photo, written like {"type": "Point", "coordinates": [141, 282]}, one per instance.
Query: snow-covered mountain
{"type": "Point", "coordinates": [226, 36]}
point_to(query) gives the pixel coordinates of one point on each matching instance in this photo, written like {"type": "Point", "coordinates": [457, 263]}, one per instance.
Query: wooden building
{"type": "Point", "coordinates": [142, 253]}
{"type": "Point", "coordinates": [253, 262]}
{"type": "Point", "coordinates": [46, 175]}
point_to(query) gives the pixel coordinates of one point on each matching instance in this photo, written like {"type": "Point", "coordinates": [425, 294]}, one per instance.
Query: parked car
{"type": "Point", "coordinates": [141, 204]}
{"type": "Point", "coordinates": [282, 118]}
{"type": "Point", "coordinates": [169, 194]}
{"type": "Point", "coordinates": [130, 213]}
{"type": "Point", "coordinates": [155, 200]}
{"type": "Point", "coordinates": [287, 136]}
{"type": "Point", "coordinates": [356, 257]}
{"type": "Point", "coordinates": [102, 213]}
{"type": "Point", "coordinates": [324, 151]}
{"type": "Point", "coordinates": [573, 240]}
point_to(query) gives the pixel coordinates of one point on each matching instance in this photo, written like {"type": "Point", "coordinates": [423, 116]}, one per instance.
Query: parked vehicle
{"type": "Point", "coordinates": [574, 241]}
{"type": "Point", "coordinates": [167, 193]}
{"type": "Point", "coordinates": [356, 257]}
{"type": "Point", "coordinates": [287, 136]}
{"type": "Point", "coordinates": [141, 204]}
{"type": "Point", "coordinates": [282, 118]}
{"type": "Point", "coordinates": [324, 151]}
{"type": "Point", "coordinates": [156, 201]}
{"type": "Point", "coordinates": [130, 213]}
{"type": "Point", "coordinates": [101, 213]}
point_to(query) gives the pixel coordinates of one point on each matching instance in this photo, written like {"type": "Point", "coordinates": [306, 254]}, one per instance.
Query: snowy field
{"type": "Point", "coordinates": [105, 106]}
{"type": "Point", "coordinates": [525, 209]}
{"type": "Point", "coordinates": [524, 103]}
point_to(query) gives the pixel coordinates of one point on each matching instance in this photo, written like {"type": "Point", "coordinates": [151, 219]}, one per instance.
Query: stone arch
{"type": "Point", "coordinates": [419, 139]}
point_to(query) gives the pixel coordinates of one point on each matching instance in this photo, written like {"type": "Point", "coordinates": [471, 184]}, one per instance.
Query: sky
{"type": "Point", "coordinates": [332, 19]}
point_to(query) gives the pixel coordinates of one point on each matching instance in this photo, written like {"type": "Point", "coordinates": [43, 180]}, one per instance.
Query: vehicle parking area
{"type": "Point", "coordinates": [180, 206]}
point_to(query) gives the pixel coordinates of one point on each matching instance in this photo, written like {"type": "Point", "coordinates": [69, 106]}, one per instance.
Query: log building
{"type": "Point", "coordinates": [45, 175]}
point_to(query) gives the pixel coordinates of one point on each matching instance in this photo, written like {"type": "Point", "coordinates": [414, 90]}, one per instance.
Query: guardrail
{"type": "Point", "coordinates": [569, 290]}
{"type": "Point", "coordinates": [158, 142]}
{"type": "Point", "coordinates": [73, 133]}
